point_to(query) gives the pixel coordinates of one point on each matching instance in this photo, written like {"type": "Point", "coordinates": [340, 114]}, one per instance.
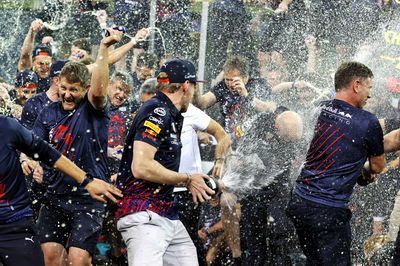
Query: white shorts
{"type": "Point", "coordinates": [154, 240]}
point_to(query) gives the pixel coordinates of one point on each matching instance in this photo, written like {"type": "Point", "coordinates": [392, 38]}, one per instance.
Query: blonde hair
{"type": "Point", "coordinates": [166, 86]}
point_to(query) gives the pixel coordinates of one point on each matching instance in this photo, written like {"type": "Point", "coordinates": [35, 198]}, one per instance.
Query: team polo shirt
{"type": "Point", "coordinates": [235, 108]}
{"type": "Point", "coordinates": [119, 124]}
{"type": "Point", "coordinates": [344, 137]}
{"type": "Point", "coordinates": [14, 196]}
{"type": "Point", "coordinates": [32, 109]}
{"type": "Point", "coordinates": [43, 84]}
{"type": "Point", "coordinates": [159, 124]}
{"type": "Point", "coordinates": [119, 118]}
{"type": "Point", "coordinates": [81, 135]}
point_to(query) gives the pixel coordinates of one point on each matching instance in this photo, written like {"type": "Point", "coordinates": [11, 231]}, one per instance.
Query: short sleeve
{"type": "Point", "coordinates": [39, 127]}
{"type": "Point", "coordinates": [28, 116]}
{"type": "Point", "coordinates": [31, 145]}
{"type": "Point", "coordinates": [218, 91]}
{"type": "Point", "coordinates": [199, 120]}
{"type": "Point", "coordinates": [152, 125]}
{"type": "Point", "coordinates": [374, 138]}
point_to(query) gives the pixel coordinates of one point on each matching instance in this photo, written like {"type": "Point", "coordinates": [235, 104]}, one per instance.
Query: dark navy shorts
{"type": "Point", "coordinates": [79, 229]}
{"type": "Point", "coordinates": [19, 245]}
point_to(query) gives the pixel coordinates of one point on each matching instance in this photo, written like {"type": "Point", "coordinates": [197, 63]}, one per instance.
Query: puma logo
{"type": "Point", "coordinates": [29, 239]}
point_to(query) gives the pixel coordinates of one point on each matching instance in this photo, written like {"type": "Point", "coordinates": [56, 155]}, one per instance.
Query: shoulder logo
{"type": "Point", "coordinates": [152, 126]}
{"type": "Point", "coordinates": [160, 111]}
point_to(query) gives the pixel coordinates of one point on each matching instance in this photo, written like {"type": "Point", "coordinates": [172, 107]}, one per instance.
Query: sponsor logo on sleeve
{"type": "Point", "coordinates": [160, 111]}
{"type": "Point", "coordinates": [152, 126]}
{"type": "Point", "coordinates": [151, 132]}
{"type": "Point", "coordinates": [144, 134]}
{"type": "Point", "coordinates": [156, 120]}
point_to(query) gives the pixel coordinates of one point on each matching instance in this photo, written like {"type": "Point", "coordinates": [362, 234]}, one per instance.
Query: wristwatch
{"type": "Point", "coordinates": [88, 178]}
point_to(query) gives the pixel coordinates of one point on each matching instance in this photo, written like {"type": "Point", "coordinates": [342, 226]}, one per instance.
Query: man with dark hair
{"type": "Point", "coordinates": [239, 95]}
{"type": "Point", "coordinates": [80, 49]}
{"type": "Point", "coordinates": [148, 215]}
{"type": "Point", "coordinates": [143, 67]}
{"type": "Point", "coordinates": [77, 126]}
{"type": "Point", "coordinates": [146, 66]}
{"type": "Point", "coordinates": [345, 137]}
{"type": "Point", "coordinates": [17, 229]}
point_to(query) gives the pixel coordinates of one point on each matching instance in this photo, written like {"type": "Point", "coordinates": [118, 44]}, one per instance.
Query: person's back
{"type": "Point", "coordinates": [338, 150]}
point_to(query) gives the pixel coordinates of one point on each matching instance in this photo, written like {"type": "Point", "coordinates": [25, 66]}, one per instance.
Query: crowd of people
{"type": "Point", "coordinates": [284, 155]}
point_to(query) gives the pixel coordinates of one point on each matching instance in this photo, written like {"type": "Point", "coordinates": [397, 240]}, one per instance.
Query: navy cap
{"type": "Point", "coordinates": [178, 71]}
{"type": "Point", "coordinates": [42, 50]}
{"type": "Point", "coordinates": [56, 67]}
{"type": "Point", "coordinates": [26, 78]}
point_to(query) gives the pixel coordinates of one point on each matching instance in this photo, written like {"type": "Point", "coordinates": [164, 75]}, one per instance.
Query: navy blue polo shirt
{"type": "Point", "coordinates": [235, 108]}
{"type": "Point", "coordinates": [344, 137]}
{"type": "Point", "coordinates": [14, 196]}
{"type": "Point", "coordinates": [43, 84]}
{"type": "Point", "coordinates": [32, 109]}
{"type": "Point", "coordinates": [159, 124]}
{"type": "Point", "coordinates": [81, 135]}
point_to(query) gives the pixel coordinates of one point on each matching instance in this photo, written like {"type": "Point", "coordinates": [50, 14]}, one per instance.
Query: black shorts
{"type": "Point", "coordinates": [19, 245]}
{"type": "Point", "coordinates": [79, 229]}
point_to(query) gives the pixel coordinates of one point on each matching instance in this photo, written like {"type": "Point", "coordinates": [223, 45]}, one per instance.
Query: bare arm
{"type": "Point", "coordinates": [391, 141]}
{"type": "Point", "coordinates": [283, 86]}
{"type": "Point", "coordinates": [264, 105]}
{"type": "Point", "coordinates": [25, 58]}
{"type": "Point", "coordinates": [97, 188]}
{"type": "Point", "coordinates": [98, 86]}
{"type": "Point", "coordinates": [223, 146]}
{"type": "Point", "coordinates": [148, 169]}
{"type": "Point", "coordinates": [377, 164]}
{"type": "Point", "coordinates": [204, 101]}
{"type": "Point", "coordinates": [118, 53]}
{"type": "Point", "coordinates": [383, 125]}
{"type": "Point", "coordinates": [313, 54]}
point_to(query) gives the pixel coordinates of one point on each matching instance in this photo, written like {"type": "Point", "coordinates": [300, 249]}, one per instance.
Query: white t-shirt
{"type": "Point", "coordinates": [194, 119]}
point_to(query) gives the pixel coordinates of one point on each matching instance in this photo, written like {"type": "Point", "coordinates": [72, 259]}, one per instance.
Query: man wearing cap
{"type": "Point", "coordinates": [38, 59]}
{"type": "Point", "coordinates": [34, 105]}
{"type": "Point", "coordinates": [148, 216]}
{"type": "Point", "coordinates": [25, 87]}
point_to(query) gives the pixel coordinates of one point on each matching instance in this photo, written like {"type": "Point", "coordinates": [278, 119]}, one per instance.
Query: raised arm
{"type": "Point", "coordinates": [97, 94]}
{"type": "Point", "coordinates": [204, 101]}
{"type": "Point", "coordinates": [117, 54]}
{"type": "Point", "coordinates": [25, 58]}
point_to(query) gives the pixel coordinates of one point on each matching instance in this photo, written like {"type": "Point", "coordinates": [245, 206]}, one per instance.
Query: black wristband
{"type": "Point", "coordinates": [88, 178]}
